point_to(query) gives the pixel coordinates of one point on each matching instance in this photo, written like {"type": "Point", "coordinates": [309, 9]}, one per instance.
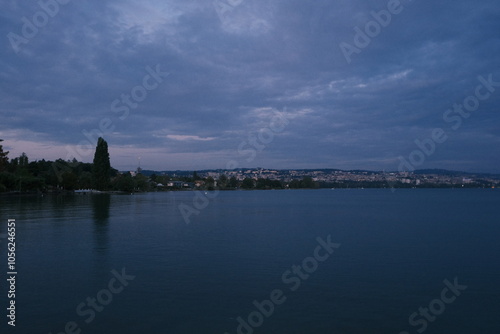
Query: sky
{"type": "Point", "coordinates": [190, 85]}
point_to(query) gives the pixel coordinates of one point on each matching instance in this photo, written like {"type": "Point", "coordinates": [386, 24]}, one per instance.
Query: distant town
{"type": "Point", "coordinates": [20, 175]}
{"type": "Point", "coordinates": [331, 178]}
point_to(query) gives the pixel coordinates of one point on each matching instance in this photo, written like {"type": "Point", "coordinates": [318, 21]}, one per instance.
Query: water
{"type": "Point", "coordinates": [396, 249]}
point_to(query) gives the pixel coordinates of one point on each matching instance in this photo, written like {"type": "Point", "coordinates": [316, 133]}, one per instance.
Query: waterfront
{"type": "Point", "coordinates": [395, 250]}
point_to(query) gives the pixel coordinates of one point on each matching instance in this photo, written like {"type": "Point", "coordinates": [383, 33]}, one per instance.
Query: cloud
{"type": "Point", "coordinates": [230, 73]}
{"type": "Point", "coordinates": [188, 138]}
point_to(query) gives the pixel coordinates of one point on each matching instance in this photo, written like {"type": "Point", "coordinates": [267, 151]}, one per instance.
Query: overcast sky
{"type": "Point", "coordinates": [278, 84]}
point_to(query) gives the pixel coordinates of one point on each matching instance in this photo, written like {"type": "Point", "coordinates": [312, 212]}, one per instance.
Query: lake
{"type": "Point", "coordinates": [283, 261]}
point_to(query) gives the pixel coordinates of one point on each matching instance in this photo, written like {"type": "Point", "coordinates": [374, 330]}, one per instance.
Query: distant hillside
{"type": "Point", "coordinates": [442, 172]}
{"type": "Point", "coordinates": [455, 173]}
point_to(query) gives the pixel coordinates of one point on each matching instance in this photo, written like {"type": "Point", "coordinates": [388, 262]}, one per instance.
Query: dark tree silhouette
{"type": "Point", "coordinates": [101, 168]}
{"type": "Point", "coordinates": [4, 160]}
{"type": "Point", "coordinates": [248, 183]}
{"type": "Point", "coordinates": [233, 182]}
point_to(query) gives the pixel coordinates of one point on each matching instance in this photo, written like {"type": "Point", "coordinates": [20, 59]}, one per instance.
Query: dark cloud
{"type": "Point", "coordinates": [230, 71]}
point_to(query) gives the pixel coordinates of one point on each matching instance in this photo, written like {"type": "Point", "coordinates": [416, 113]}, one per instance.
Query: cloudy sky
{"type": "Point", "coordinates": [198, 84]}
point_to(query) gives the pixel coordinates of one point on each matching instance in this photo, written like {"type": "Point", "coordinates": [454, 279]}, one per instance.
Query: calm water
{"type": "Point", "coordinates": [396, 250]}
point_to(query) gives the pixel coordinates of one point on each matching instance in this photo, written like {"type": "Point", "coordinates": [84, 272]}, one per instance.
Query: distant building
{"type": "Point", "coordinates": [180, 184]}
{"type": "Point", "coordinates": [175, 184]}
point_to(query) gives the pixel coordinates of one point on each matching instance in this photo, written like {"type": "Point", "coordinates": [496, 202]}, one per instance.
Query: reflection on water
{"type": "Point", "coordinates": [100, 205]}
{"type": "Point", "coordinates": [100, 214]}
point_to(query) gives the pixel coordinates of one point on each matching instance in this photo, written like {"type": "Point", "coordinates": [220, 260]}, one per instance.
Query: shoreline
{"type": "Point", "coordinates": [115, 192]}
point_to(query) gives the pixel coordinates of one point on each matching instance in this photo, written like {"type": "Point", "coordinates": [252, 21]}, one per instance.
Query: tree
{"type": "Point", "coordinates": [70, 181]}
{"type": "Point", "coordinates": [142, 182]}
{"type": "Point", "coordinates": [308, 182]}
{"type": "Point", "coordinates": [7, 181]}
{"type": "Point", "coordinates": [20, 165]}
{"type": "Point", "coordinates": [262, 184]}
{"type": "Point", "coordinates": [210, 183]}
{"type": "Point", "coordinates": [101, 168]}
{"type": "Point", "coordinates": [85, 180]}
{"type": "Point", "coordinates": [268, 184]}
{"type": "Point", "coordinates": [4, 160]}
{"type": "Point", "coordinates": [125, 183]}
{"type": "Point", "coordinates": [222, 181]}
{"type": "Point", "coordinates": [23, 160]}
{"type": "Point", "coordinates": [248, 183]}
{"type": "Point", "coordinates": [233, 182]}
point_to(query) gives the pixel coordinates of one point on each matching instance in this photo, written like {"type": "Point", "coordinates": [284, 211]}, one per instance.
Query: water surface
{"type": "Point", "coordinates": [396, 249]}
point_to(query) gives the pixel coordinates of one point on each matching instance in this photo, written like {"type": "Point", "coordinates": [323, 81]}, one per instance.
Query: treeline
{"type": "Point", "coordinates": [226, 183]}
{"type": "Point", "coordinates": [306, 183]}
{"type": "Point", "coordinates": [22, 175]}
{"type": "Point", "coordinates": [398, 184]}
{"type": "Point", "coordinates": [19, 174]}
{"type": "Point", "coordinates": [60, 175]}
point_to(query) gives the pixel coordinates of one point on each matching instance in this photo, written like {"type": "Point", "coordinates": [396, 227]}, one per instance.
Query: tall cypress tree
{"type": "Point", "coordinates": [101, 167]}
